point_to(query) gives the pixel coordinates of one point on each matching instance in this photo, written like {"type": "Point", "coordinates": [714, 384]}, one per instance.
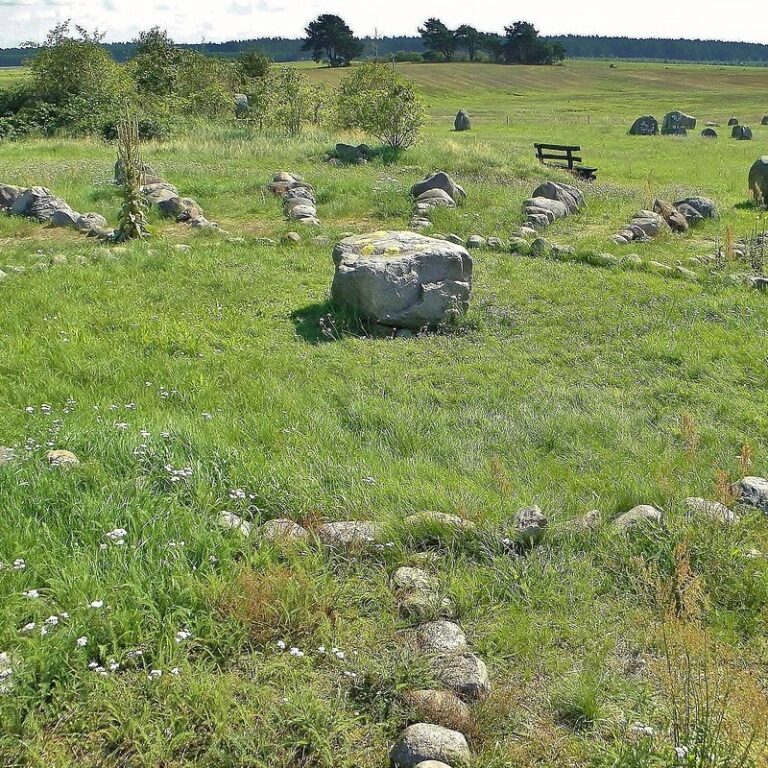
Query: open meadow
{"type": "Point", "coordinates": [191, 381]}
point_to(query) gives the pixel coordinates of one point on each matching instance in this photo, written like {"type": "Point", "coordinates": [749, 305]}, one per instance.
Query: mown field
{"type": "Point", "coordinates": [570, 386]}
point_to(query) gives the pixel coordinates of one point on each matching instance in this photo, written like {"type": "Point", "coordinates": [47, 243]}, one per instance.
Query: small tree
{"type": "Point", "coordinates": [493, 45]}
{"type": "Point", "coordinates": [330, 37]}
{"type": "Point", "coordinates": [379, 101]}
{"type": "Point", "coordinates": [470, 40]}
{"type": "Point", "coordinates": [132, 221]}
{"type": "Point", "coordinates": [155, 67]}
{"type": "Point", "coordinates": [524, 46]}
{"type": "Point", "coordinates": [438, 39]}
{"type": "Point", "coordinates": [253, 65]}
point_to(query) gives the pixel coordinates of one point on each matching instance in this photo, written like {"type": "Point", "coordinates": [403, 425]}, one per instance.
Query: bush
{"type": "Point", "coordinates": [284, 100]}
{"type": "Point", "coordinates": [254, 65]}
{"type": "Point", "coordinates": [377, 100]}
{"type": "Point", "coordinates": [409, 57]}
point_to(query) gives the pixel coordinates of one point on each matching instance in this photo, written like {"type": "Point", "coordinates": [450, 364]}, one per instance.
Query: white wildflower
{"type": "Point", "coordinates": [81, 642]}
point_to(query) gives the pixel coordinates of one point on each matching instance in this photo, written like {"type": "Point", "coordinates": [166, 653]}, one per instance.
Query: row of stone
{"type": "Point", "coordinates": [437, 190]}
{"type": "Point", "coordinates": [299, 202]}
{"type": "Point", "coordinates": [665, 216]}
{"type": "Point", "coordinates": [551, 201]}
{"type": "Point", "coordinates": [164, 196]}
{"type": "Point", "coordinates": [41, 205]}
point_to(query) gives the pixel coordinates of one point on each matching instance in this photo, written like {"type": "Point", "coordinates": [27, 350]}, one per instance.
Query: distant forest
{"type": "Point", "coordinates": [577, 46]}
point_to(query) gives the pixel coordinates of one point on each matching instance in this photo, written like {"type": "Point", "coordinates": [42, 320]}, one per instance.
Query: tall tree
{"type": "Point", "coordinates": [155, 66]}
{"type": "Point", "coordinates": [470, 40]}
{"type": "Point", "coordinates": [329, 37]}
{"type": "Point", "coordinates": [493, 45]}
{"type": "Point", "coordinates": [438, 38]}
{"type": "Point", "coordinates": [523, 45]}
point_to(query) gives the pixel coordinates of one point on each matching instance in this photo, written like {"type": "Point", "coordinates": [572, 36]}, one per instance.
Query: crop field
{"type": "Point", "coordinates": [217, 377]}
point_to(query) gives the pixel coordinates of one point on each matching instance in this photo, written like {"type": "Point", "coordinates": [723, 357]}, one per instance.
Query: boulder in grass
{"type": "Point", "coordinates": [647, 125]}
{"type": "Point", "coordinates": [714, 510]}
{"type": "Point", "coordinates": [349, 534]}
{"type": "Point", "coordinates": [439, 180]}
{"type": "Point", "coordinates": [753, 491]}
{"type": "Point", "coordinates": [677, 123]}
{"type": "Point", "coordinates": [465, 674]}
{"type": "Point", "coordinates": [241, 105]}
{"type": "Point", "coordinates": [643, 514]}
{"type": "Point", "coordinates": [424, 742]}
{"type": "Point", "coordinates": [758, 179]}
{"type": "Point", "coordinates": [538, 204]}
{"type": "Point", "coordinates": [90, 221]}
{"type": "Point", "coordinates": [676, 221]}
{"type": "Point", "coordinates": [7, 455]}
{"type": "Point", "coordinates": [39, 203]}
{"type": "Point", "coordinates": [441, 637]}
{"type": "Point", "coordinates": [741, 133]}
{"type": "Point", "coordinates": [438, 707]}
{"type": "Point", "coordinates": [283, 530]}
{"type": "Point", "coordinates": [530, 525]}
{"type": "Point", "coordinates": [709, 133]}
{"type": "Point", "coordinates": [692, 216]}
{"type": "Point", "coordinates": [764, 121]}
{"type": "Point", "coordinates": [62, 459]}
{"type": "Point", "coordinates": [435, 198]}
{"type": "Point", "coordinates": [733, 121]}
{"type": "Point", "coordinates": [705, 207]}
{"type": "Point", "coordinates": [572, 197]}
{"type": "Point", "coordinates": [462, 121]}
{"type": "Point", "coordinates": [402, 279]}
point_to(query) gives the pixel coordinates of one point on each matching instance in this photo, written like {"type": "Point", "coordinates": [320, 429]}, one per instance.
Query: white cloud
{"type": "Point", "coordinates": [188, 21]}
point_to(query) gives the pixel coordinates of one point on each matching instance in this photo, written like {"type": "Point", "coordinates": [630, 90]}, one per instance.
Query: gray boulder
{"type": "Point", "coordinates": [742, 133]}
{"type": "Point", "coordinates": [758, 179]}
{"type": "Point", "coordinates": [438, 198]}
{"type": "Point", "coordinates": [538, 204]}
{"type": "Point", "coordinates": [241, 105]}
{"type": "Point", "coordinates": [572, 197]}
{"type": "Point", "coordinates": [733, 121]}
{"type": "Point", "coordinates": [647, 125]}
{"type": "Point", "coordinates": [438, 707]}
{"type": "Point", "coordinates": [422, 741]}
{"type": "Point", "coordinates": [407, 579]}
{"type": "Point", "coordinates": [462, 121]}
{"type": "Point", "coordinates": [402, 279]}
{"type": "Point", "coordinates": [439, 180]}
{"type": "Point", "coordinates": [764, 121]}
{"type": "Point", "coordinates": [753, 491]}
{"type": "Point", "coordinates": [709, 133]}
{"type": "Point", "coordinates": [705, 207]}
{"type": "Point", "coordinates": [349, 153]}
{"type": "Point", "coordinates": [283, 530]}
{"type": "Point", "coordinates": [476, 241]}
{"type": "Point", "coordinates": [692, 216]}
{"type": "Point", "coordinates": [677, 123]}
{"type": "Point", "coordinates": [38, 203]}
{"type": "Point", "coordinates": [89, 221]}
{"type": "Point", "coordinates": [64, 217]}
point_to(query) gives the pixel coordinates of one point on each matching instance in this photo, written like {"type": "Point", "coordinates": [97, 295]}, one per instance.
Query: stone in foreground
{"type": "Point", "coordinates": [441, 637]}
{"type": "Point", "coordinates": [439, 707]}
{"type": "Point", "coordinates": [647, 125]}
{"type": "Point", "coordinates": [464, 673]}
{"type": "Point", "coordinates": [283, 530]}
{"type": "Point", "coordinates": [531, 524]}
{"type": "Point", "coordinates": [711, 509]}
{"type": "Point", "coordinates": [462, 121]}
{"type": "Point", "coordinates": [61, 458]}
{"type": "Point", "coordinates": [402, 279]}
{"type": "Point", "coordinates": [348, 534]}
{"type": "Point", "coordinates": [421, 742]}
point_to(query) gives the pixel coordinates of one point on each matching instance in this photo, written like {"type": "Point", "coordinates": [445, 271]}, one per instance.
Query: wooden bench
{"type": "Point", "coordinates": [566, 158]}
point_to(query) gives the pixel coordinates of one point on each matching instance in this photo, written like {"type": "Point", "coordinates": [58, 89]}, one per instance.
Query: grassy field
{"type": "Point", "coordinates": [570, 386]}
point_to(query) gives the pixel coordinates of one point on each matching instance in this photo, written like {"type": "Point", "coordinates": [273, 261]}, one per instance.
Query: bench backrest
{"type": "Point", "coordinates": [558, 152]}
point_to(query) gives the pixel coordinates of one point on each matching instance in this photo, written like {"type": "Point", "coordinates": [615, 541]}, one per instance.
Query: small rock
{"type": "Point", "coordinates": [441, 637]}
{"type": "Point", "coordinates": [292, 237]}
{"type": "Point", "coordinates": [422, 742]}
{"type": "Point", "coordinates": [753, 491]}
{"type": "Point", "coordinates": [283, 530]}
{"type": "Point", "coordinates": [407, 579]}
{"type": "Point", "coordinates": [519, 245]}
{"type": "Point", "coordinates": [426, 606]}
{"type": "Point", "coordinates": [462, 121]}
{"type": "Point", "coordinates": [348, 534]}
{"type": "Point", "coordinates": [712, 509]}
{"type": "Point", "coordinates": [540, 247]}
{"type": "Point", "coordinates": [455, 239]}
{"type": "Point", "coordinates": [530, 523]}
{"type": "Point", "coordinates": [464, 673]}
{"type": "Point", "coordinates": [62, 459]}
{"type": "Point", "coordinates": [643, 513]}
{"type": "Point", "coordinates": [182, 247]}
{"type": "Point", "coordinates": [233, 522]}
{"type": "Point", "coordinates": [496, 243]}
{"type": "Point", "coordinates": [59, 258]}
{"type": "Point", "coordinates": [435, 521]}
{"type": "Point", "coordinates": [439, 708]}
{"type": "Point", "coordinates": [7, 455]}
{"type": "Point", "coordinates": [588, 522]}
{"type": "Point", "coordinates": [476, 241]}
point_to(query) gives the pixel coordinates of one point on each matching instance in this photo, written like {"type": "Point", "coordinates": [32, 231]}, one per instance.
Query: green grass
{"type": "Point", "coordinates": [571, 386]}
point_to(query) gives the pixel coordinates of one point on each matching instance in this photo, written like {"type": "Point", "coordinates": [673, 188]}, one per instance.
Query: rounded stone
{"type": "Point", "coordinates": [440, 708]}
{"type": "Point", "coordinates": [639, 515]}
{"type": "Point", "coordinates": [283, 529]}
{"type": "Point", "coordinates": [424, 741]}
{"type": "Point", "coordinates": [348, 534]}
{"type": "Point", "coordinates": [441, 637]}
{"type": "Point", "coordinates": [464, 673]}
{"type": "Point", "coordinates": [62, 459]}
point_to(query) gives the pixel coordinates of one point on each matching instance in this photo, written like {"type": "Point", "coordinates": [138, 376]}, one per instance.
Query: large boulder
{"type": "Point", "coordinates": [677, 123]}
{"type": "Point", "coordinates": [572, 197]}
{"type": "Point", "coordinates": [647, 125]}
{"type": "Point", "coordinates": [764, 121]}
{"type": "Point", "coordinates": [439, 180]}
{"type": "Point", "coordinates": [753, 492]}
{"type": "Point", "coordinates": [422, 741]}
{"type": "Point", "coordinates": [462, 121]}
{"type": "Point", "coordinates": [402, 279]}
{"type": "Point", "coordinates": [709, 133]}
{"type": "Point", "coordinates": [537, 205]}
{"type": "Point", "coordinates": [758, 179]}
{"type": "Point", "coordinates": [349, 153]}
{"type": "Point", "coordinates": [705, 207]}
{"type": "Point", "coordinates": [241, 105]}
{"type": "Point", "coordinates": [38, 203]}
{"type": "Point", "coordinates": [742, 133]}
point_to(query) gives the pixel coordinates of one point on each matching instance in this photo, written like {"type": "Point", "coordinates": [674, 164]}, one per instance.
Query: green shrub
{"type": "Point", "coordinates": [409, 57]}
{"type": "Point", "coordinates": [379, 101]}
{"type": "Point", "coordinates": [253, 65]}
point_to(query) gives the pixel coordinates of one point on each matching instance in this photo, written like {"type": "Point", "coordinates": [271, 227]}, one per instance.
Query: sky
{"type": "Point", "coordinates": [191, 21]}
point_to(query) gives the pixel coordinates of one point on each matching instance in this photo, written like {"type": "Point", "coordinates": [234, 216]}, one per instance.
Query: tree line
{"type": "Point", "coordinates": [412, 48]}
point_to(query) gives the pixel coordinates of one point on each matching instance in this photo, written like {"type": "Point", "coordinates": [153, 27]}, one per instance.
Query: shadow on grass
{"type": "Point", "coordinates": [323, 322]}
